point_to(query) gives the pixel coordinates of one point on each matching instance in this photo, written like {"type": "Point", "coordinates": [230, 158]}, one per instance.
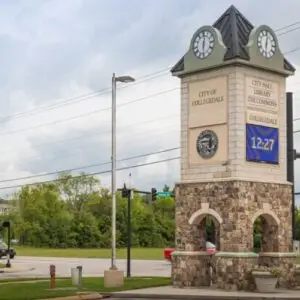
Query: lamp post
{"type": "Point", "coordinates": [124, 79]}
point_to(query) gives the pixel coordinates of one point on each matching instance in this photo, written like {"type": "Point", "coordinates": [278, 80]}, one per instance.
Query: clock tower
{"type": "Point", "coordinates": [233, 155]}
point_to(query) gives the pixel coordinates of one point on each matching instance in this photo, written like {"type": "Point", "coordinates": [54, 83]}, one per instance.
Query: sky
{"type": "Point", "coordinates": [57, 59]}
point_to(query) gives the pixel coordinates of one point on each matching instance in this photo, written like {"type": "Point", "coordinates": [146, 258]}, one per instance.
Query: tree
{"type": "Point", "coordinates": [75, 211]}
{"type": "Point", "coordinates": [166, 188]}
{"type": "Point", "coordinates": [77, 190]}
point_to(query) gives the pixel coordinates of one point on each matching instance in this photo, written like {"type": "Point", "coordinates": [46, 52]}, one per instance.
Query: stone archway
{"type": "Point", "coordinates": [267, 224]}
{"type": "Point", "coordinates": [205, 226]}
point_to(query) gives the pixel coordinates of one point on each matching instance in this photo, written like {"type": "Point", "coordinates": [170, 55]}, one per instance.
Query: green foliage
{"type": "Point", "coordinates": [75, 212]}
{"type": "Point", "coordinates": [297, 233]}
{"type": "Point", "coordinates": [272, 270]}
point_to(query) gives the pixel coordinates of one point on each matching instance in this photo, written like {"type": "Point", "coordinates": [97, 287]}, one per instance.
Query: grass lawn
{"type": "Point", "coordinates": [40, 290]}
{"type": "Point", "coordinates": [136, 253]}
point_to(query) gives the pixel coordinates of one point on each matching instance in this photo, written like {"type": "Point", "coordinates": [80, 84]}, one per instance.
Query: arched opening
{"type": "Point", "coordinates": [205, 228]}
{"type": "Point", "coordinates": [265, 233]}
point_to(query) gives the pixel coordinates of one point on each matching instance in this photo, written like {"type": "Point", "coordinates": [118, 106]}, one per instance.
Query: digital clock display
{"type": "Point", "coordinates": [262, 144]}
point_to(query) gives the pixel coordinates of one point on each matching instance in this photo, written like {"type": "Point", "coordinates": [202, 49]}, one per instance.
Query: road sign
{"type": "Point", "coordinates": [164, 194]}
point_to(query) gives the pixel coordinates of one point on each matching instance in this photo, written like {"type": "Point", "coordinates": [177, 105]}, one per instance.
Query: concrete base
{"type": "Point", "coordinates": [113, 278]}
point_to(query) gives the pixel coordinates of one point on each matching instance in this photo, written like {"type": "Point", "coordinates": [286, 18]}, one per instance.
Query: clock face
{"type": "Point", "coordinates": [203, 44]}
{"type": "Point", "coordinates": [266, 43]}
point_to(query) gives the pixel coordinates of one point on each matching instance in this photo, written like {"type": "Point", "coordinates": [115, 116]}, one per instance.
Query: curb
{"type": "Point", "coordinates": [275, 296]}
{"type": "Point", "coordinates": [79, 296]}
{"type": "Point", "coordinates": [8, 270]}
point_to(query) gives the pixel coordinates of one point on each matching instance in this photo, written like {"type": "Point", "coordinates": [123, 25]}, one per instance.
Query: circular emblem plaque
{"type": "Point", "coordinates": [207, 144]}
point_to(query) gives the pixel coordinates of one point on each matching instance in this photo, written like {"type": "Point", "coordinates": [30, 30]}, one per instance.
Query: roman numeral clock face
{"type": "Point", "coordinates": [203, 44]}
{"type": "Point", "coordinates": [266, 43]}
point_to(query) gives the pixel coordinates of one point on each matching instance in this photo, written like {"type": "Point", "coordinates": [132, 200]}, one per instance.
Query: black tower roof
{"type": "Point", "coordinates": [235, 30]}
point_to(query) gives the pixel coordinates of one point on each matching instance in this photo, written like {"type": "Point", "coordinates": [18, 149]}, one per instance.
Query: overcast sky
{"type": "Point", "coordinates": [53, 52]}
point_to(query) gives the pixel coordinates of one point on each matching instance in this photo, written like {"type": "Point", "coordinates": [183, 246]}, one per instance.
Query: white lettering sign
{"type": "Point", "coordinates": [262, 94]}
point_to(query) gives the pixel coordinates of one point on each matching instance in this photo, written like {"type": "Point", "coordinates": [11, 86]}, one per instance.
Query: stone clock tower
{"type": "Point", "coordinates": [233, 154]}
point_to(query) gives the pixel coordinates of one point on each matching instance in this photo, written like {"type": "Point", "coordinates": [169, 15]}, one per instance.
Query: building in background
{"type": "Point", "coordinates": [5, 206]}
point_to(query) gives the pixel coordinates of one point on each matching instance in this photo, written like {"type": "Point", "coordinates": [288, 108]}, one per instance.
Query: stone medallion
{"type": "Point", "coordinates": [207, 144]}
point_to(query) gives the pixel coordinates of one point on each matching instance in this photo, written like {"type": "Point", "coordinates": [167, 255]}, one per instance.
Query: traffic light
{"type": "Point", "coordinates": [153, 194]}
{"type": "Point", "coordinates": [6, 224]}
{"type": "Point", "coordinates": [125, 191]}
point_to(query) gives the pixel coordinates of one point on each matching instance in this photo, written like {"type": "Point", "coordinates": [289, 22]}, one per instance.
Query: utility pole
{"type": "Point", "coordinates": [129, 198]}
{"type": "Point", "coordinates": [292, 155]}
{"type": "Point", "coordinates": [126, 193]}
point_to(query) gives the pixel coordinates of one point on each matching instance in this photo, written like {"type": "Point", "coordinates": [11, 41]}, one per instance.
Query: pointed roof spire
{"type": "Point", "coordinates": [235, 30]}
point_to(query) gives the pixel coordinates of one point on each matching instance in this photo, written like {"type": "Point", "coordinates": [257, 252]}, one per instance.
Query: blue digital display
{"type": "Point", "coordinates": [262, 144]}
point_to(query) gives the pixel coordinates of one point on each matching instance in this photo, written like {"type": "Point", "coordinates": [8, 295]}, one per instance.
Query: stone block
{"type": "Point", "coordinates": [113, 278]}
{"type": "Point", "coordinates": [191, 269]}
{"type": "Point", "coordinates": [233, 270]}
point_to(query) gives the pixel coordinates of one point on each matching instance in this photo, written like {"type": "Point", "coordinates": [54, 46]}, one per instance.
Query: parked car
{"type": "Point", "coordinates": [4, 251]}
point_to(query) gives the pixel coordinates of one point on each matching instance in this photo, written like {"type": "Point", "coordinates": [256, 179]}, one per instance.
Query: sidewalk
{"type": "Point", "coordinates": [14, 270]}
{"type": "Point", "coordinates": [169, 292]}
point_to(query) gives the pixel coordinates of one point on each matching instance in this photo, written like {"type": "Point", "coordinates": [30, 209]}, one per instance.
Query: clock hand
{"type": "Point", "coordinates": [266, 43]}
{"type": "Point", "coordinates": [203, 43]}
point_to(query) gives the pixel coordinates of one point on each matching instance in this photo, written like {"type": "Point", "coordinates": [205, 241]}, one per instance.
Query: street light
{"type": "Point", "coordinates": [124, 79]}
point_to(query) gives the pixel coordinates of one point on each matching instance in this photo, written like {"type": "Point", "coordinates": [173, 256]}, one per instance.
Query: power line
{"type": "Point", "coordinates": [140, 137]}
{"type": "Point", "coordinates": [88, 166]}
{"type": "Point", "coordinates": [108, 131]}
{"type": "Point", "coordinates": [83, 97]}
{"type": "Point", "coordinates": [296, 119]}
{"type": "Point", "coordinates": [288, 31]}
{"type": "Point", "coordinates": [89, 113]}
{"type": "Point", "coordinates": [287, 26]}
{"type": "Point", "coordinates": [85, 114]}
{"type": "Point", "coordinates": [93, 174]}
{"type": "Point", "coordinates": [94, 165]}
{"type": "Point", "coordinates": [292, 51]}
{"type": "Point", "coordinates": [87, 147]}
{"type": "Point", "coordinates": [95, 111]}
{"type": "Point", "coordinates": [120, 135]}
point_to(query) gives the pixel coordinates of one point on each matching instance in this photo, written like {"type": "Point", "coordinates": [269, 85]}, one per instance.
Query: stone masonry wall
{"type": "Point", "coordinates": [234, 273]}
{"type": "Point", "coordinates": [236, 204]}
{"type": "Point", "coordinates": [286, 263]}
{"type": "Point", "coordinates": [190, 269]}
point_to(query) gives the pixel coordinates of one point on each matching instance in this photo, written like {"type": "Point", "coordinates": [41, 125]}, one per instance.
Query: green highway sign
{"type": "Point", "coordinates": [164, 194]}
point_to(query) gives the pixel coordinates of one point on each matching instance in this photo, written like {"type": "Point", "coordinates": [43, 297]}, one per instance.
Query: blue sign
{"type": "Point", "coordinates": [262, 144]}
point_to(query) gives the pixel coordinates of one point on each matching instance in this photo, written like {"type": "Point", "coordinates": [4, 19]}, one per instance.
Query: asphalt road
{"type": "Point", "coordinates": [39, 266]}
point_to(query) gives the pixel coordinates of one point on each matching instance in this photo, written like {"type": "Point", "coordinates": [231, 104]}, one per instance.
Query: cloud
{"type": "Point", "coordinates": [52, 51]}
